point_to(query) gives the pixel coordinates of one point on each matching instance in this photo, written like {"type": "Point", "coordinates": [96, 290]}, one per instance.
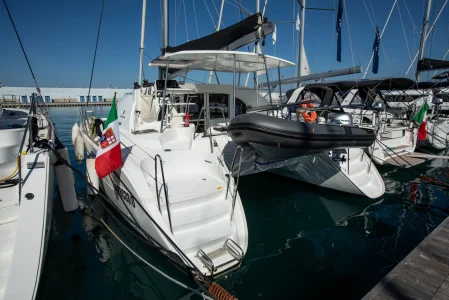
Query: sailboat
{"type": "Point", "coordinates": [28, 163]}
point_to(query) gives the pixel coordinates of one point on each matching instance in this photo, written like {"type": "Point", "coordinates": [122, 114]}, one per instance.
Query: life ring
{"type": "Point", "coordinates": [309, 117]}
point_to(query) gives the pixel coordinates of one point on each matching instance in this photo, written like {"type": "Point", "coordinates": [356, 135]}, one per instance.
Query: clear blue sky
{"type": "Point", "coordinates": [59, 37]}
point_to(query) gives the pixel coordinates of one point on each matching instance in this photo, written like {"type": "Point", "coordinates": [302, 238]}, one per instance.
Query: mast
{"type": "Point", "coordinates": [302, 4]}
{"type": "Point", "coordinates": [142, 38]}
{"type": "Point", "coordinates": [164, 24]}
{"type": "Point", "coordinates": [217, 29]}
{"type": "Point", "coordinates": [423, 36]}
{"type": "Point", "coordinates": [164, 32]}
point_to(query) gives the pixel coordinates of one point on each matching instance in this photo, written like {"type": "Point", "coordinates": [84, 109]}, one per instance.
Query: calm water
{"type": "Point", "coordinates": [304, 242]}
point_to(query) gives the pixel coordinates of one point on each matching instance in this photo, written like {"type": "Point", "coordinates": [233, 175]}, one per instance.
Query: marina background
{"type": "Point", "coordinates": [304, 242]}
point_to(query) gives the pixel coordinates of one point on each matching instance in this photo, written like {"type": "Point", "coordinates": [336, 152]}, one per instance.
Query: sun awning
{"type": "Point", "coordinates": [220, 61]}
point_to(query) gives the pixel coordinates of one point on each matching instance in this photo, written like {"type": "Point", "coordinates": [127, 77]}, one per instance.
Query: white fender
{"type": "Point", "coordinates": [79, 148]}
{"type": "Point", "coordinates": [75, 133]}
{"type": "Point", "coordinates": [87, 144]}
{"type": "Point", "coordinates": [66, 180]}
{"type": "Point", "coordinates": [91, 174]}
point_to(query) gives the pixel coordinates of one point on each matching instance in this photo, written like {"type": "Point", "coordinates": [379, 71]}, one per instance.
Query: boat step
{"type": "Point", "coordinates": [195, 214]}
{"type": "Point", "coordinates": [197, 236]}
{"type": "Point", "coordinates": [229, 253]}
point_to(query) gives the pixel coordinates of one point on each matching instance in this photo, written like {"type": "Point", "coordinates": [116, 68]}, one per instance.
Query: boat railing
{"type": "Point", "coordinates": [157, 159]}
{"type": "Point", "coordinates": [239, 152]}
{"type": "Point", "coordinates": [28, 130]}
{"type": "Point", "coordinates": [205, 112]}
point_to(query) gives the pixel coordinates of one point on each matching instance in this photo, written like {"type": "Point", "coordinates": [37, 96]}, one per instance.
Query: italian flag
{"type": "Point", "coordinates": [109, 154]}
{"type": "Point", "coordinates": [420, 118]}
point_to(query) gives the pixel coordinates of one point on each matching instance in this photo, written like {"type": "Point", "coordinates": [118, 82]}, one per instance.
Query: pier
{"type": "Point", "coordinates": [53, 104]}
{"type": "Point", "coordinates": [423, 274]}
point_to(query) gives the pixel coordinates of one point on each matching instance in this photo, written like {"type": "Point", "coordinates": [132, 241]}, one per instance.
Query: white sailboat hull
{"type": "Point", "coordinates": [437, 134]}
{"type": "Point", "coordinates": [25, 209]}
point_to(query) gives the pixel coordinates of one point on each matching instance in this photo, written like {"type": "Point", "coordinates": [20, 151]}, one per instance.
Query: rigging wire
{"type": "Point", "coordinates": [42, 106]}
{"type": "Point", "coordinates": [216, 10]}
{"type": "Point", "coordinates": [350, 40]}
{"type": "Point", "coordinates": [240, 7]}
{"type": "Point", "coordinates": [95, 53]}
{"type": "Point", "coordinates": [405, 35]}
{"type": "Point", "coordinates": [381, 45]}
{"type": "Point", "coordinates": [185, 19]}
{"type": "Point", "coordinates": [212, 18]}
{"type": "Point", "coordinates": [196, 21]}
{"type": "Point", "coordinates": [374, 15]}
{"type": "Point", "coordinates": [427, 34]}
{"type": "Point", "coordinates": [411, 19]}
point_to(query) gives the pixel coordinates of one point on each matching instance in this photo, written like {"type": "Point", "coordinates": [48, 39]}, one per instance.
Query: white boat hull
{"type": "Point", "coordinates": [25, 210]}
{"type": "Point", "coordinates": [359, 176]}
{"type": "Point", "coordinates": [437, 134]}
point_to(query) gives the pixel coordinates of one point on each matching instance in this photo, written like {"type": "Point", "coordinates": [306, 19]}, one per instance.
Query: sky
{"type": "Point", "coordinates": [59, 37]}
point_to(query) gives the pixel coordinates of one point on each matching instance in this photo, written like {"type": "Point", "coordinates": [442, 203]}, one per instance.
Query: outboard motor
{"type": "Point", "coordinates": [378, 106]}
{"type": "Point", "coordinates": [342, 119]}
{"type": "Point", "coordinates": [436, 105]}
{"type": "Point", "coordinates": [437, 101]}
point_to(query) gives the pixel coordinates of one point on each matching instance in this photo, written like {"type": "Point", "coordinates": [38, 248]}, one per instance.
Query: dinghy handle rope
{"type": "Point", "coordinates": [214, 289]}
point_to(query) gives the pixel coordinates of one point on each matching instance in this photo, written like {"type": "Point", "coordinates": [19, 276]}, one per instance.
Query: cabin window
{"type": "Point", "coordinates": [240, 107]}
{"type": "Point", "coordinates": [219, 105]}
{"type": "Point", "coordinates": [356, 100]}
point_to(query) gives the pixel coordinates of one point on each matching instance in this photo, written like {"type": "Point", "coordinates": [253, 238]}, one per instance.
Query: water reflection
{"type": "Point", "coordinates": [304, 242]}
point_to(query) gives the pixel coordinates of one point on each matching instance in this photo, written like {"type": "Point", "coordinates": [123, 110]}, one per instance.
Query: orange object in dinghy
{"type": "Point", "coordinates": [309, 117]}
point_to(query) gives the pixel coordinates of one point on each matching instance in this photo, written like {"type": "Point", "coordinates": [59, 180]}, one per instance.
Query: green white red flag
{"type": "Point", "coordinates": [109, 153]}
{"type": "Point", "coordinates": [421, 118]}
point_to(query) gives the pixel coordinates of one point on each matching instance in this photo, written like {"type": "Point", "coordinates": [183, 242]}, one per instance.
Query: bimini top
{"type": "Point", "coordinates": [220, 61]}
{"type": "Point", "coordinates": [379, 84]}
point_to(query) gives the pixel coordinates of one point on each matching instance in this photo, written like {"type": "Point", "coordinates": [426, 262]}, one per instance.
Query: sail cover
{"type": "Point", "coordinates": [245, 31]}
{"type": "Point", "coordinates": [427, 64]}
{"type": "Point", "coordinates": [379, 84]}
{"type": "Point", "coordinates": [444, 75]}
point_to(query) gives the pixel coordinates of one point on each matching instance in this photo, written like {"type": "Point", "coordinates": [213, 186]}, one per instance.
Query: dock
{"type": "Point", "coordinates": [423, 274]}
{"type": "Point", "coordinates": [53, 104]}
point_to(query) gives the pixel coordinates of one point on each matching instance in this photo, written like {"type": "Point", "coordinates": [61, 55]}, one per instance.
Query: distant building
{"type": "Point", "coordinates": [24, 94]}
